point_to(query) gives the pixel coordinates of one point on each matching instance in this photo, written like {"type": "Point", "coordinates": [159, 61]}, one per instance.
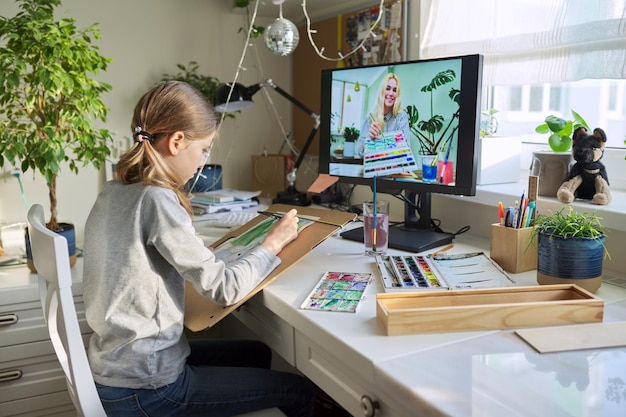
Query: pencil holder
{"type": "Point", "coordinates": [512, 249]}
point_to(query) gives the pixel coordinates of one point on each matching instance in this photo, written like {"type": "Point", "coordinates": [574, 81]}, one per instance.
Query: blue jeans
{"type": "Point", "coordinates": [221, 378]}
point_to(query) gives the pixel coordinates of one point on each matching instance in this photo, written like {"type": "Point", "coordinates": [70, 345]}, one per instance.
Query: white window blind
{"type": "Point", "coordinates": [529, 41]}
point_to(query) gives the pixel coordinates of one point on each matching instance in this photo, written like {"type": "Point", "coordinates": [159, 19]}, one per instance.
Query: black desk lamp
{"type": "Point", "coordinates": [240, 98]}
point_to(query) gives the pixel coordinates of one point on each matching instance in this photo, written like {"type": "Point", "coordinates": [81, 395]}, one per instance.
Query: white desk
{"type": "Point", "coordinates": [473, 373]}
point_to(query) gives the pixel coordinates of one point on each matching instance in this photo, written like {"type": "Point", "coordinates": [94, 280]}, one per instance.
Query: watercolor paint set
{"type": "Point", "coordinates": [408, 272]}
{"type": "Point", "coordinates": [338, 291]}
{"type": "Point", "coordinates": [440, 272]}
{"type": "Point", "coordinates": [390, 154]}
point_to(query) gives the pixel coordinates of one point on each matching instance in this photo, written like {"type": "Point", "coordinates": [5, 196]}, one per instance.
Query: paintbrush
{"type": "Point", "coordinates": [278, 215]}
{"type": "Point", "coordinates": [374, 222]}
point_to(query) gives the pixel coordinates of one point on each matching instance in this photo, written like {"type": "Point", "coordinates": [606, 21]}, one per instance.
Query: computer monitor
{"type": "Point", "coordinates": [427, 143]}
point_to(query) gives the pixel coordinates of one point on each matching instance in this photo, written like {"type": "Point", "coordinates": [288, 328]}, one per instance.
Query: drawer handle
{"type": "Point", "coordinates": [8, 319]}
{"type": "Point", "coordinates": [12, 375]}
{"type": "Point", "coordinates": [369, 406]}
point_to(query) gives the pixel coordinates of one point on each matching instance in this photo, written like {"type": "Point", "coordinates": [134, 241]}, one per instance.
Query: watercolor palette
{"type": "Point", "coordinates": [414, 271]}
{"type": "Point", "coordinates": [440, 272]}
{"type": "Point", "coordinates": [338, 291]}
{"type": "Point", "coordinates": [391, 155]}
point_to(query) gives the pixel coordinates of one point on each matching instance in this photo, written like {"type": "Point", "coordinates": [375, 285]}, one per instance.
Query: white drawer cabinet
{"type": "Point", "coordinates": [329, 366]}
{"type": "Point", "coordinates": [334, 374]}
{"type": "Point", "coordinates": [268, 327]}
{"type": "Point", "coordinates": [31, 380]}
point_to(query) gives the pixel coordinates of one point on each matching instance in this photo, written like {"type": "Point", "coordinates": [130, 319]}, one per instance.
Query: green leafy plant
{"type": "Point", "coordinates": [351, 134]}
{"type": "Point", "coordinates": [561, 131]}
{"type": "Point", "coordinates": [49, 102]}
{"type": "Point", "coordinates": [206, 84]}
{"type": "Point", "coordinates": [568, 224]}
{"type": "Point", "coordinates": [431, 134]}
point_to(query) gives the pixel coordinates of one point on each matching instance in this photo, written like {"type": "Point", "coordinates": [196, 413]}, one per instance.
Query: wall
{"type": "Point", "coordinates": [148, 38]}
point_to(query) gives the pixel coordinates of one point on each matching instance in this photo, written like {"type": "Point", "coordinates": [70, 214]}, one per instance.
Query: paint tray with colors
{"type": "Point", "coordinates": [338, 291]}
{"type": "Point", "coordinates": [414, 272]}
{"type": "Point", "coordinates": [390, 154]}
{"type": "Point", "coordinates": [440, 272]}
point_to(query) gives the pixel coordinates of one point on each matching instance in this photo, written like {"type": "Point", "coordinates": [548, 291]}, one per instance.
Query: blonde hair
{"type": "Point", "coordinates": [379, 110]}
{"type": "Point", "coordinates": [169, 107]}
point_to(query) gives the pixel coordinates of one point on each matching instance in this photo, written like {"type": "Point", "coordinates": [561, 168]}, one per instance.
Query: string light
{"type": "Point", "coordinates": [239, 68]}
{"type": "Point", "coordinates": [318, 51]}
{"type": "Point", "coordinates": [281, 37]}
{"type": "Point", "coordinates": [341, 57]}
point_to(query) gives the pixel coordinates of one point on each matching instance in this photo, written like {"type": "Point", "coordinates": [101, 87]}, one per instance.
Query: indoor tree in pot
{"type": "Point", "coordinates": [49, 102]}
{"type": "Point", "coordinates": [571, 248]}
{"type": "Point", "coordinates": [552, 166]}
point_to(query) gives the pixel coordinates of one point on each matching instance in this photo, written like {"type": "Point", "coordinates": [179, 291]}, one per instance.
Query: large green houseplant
{"type": "Point", "coordinates": [49, 101]}
{"type": "Point", "coordinates": [434, 133]}
{"type": "Point", "coordinates": [571, 248]}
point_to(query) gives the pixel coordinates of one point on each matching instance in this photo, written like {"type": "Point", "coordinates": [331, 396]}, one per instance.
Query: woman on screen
{"type": "Point", "coordinates": [387, 116]}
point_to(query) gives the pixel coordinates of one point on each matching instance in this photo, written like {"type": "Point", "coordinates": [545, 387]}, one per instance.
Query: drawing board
{"type": "Point", "coordinates": [202, 313]}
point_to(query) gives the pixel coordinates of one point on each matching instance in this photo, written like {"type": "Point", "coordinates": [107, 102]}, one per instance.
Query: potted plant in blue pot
{"type": "Point", "coordinates": [571, 248]}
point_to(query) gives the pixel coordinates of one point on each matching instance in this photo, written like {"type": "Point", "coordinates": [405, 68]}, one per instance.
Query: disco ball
{"type": "Point", "coordinates": [281, 37]}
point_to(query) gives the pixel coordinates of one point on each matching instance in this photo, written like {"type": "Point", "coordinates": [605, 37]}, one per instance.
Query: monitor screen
{"type": "Point", "coordinates": [411, 126]}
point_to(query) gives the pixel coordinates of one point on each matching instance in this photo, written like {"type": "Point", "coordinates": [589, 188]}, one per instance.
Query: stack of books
{"type": "Point", "coordinates": [223, 200]}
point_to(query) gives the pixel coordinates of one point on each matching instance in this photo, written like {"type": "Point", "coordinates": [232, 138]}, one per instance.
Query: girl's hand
{"type": "Point", "coordinates": [283, 232]}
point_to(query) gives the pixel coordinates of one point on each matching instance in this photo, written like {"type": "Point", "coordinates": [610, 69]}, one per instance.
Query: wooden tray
{"type": "Point", "coordinates": [487, 309]}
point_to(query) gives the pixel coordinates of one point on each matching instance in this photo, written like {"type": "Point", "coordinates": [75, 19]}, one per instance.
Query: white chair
{"type": "Point", "coordinates": [50, 256]}
{"type": "Point", "coordinates": [51, 260]}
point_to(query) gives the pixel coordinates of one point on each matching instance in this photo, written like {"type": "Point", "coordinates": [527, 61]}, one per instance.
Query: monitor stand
{"type": "Point", "coordinates": [416, 234]}
{"type": "Point", "coordinates": [411, 240]}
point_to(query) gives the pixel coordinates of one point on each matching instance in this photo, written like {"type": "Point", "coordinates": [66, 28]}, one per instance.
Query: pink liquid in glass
{"type": "Point", "coordinates": [445, 172]}
{"type": "Point", "coordinates": [382, 231]}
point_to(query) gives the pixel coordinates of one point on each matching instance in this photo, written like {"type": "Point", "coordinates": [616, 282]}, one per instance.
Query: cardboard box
{"type": "Point", "coordinates": [486, 309]}
{"type": "Point", "coordinates": [512, 249]}
{"type": "Point", "coordinates": [269, 174]}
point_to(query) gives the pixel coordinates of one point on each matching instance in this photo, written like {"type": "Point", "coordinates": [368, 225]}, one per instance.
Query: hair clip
{"type": "Point", "coordinates": [141, 135]}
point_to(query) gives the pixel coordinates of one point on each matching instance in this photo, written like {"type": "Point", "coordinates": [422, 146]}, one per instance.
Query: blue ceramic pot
{"type": "Point", "coordinates": [573, 260]}
{"type": "Point", "coordinates": [210, 180]}
{"type": "Point", "coordinates": [68, 232]}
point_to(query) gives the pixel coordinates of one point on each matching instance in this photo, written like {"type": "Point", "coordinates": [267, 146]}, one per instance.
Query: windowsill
{"type": "Point", "coordinates": [613, 214]}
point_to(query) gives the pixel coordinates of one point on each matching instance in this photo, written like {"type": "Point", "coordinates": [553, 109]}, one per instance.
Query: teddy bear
{"type": "Point", "coordinates": [587, 178]}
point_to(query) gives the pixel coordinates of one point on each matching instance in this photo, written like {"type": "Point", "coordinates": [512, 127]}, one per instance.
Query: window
{"type": "Point", "coordinates": [599, 102]}
{"type": "Point", "coordinates": [351, 100]}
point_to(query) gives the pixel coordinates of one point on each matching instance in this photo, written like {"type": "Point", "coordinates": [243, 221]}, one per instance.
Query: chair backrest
{"type": "Point", "coordinates": [51, 259]}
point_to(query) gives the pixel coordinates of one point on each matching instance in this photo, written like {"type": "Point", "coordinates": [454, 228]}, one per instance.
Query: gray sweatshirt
{"type": "Point", "coordinates": [140, 247]}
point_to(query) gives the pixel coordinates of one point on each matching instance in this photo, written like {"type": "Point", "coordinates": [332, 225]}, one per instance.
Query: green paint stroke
{"type": "Point", "coordinates": [261, 230]}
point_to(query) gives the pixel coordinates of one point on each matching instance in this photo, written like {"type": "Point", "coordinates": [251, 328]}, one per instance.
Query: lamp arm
{"type": "Point", "coordinates": [306, 146]}
{"type": "Point", "coordinates": [291, 195]}
{"type": "Point", "coordinates": [270, 83]}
